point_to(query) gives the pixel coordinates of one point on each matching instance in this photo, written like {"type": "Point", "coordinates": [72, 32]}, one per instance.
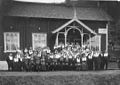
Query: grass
{"type": "Point", "coordinates": [110, 77]}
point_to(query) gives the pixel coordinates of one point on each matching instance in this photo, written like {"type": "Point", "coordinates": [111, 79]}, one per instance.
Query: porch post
{"type": "Point", "coordinates": [82, 35]}
{"type": "Point", "coordinates": [107, 37]}
{"type": "Point", "coordinates": [90, 41]}
{"type": "Point", "coordinates": [65, 34]}
{"type": "Point", "coordinates": [99, 42]}
{"type": "Point", "coordinates": [57, 38]}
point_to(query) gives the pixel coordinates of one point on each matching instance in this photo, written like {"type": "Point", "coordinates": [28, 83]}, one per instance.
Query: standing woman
{"type": "Point", "coordinates": [78, 63]}
{"type": "Point", "coordinates": [10, 62]}
{"type": "Point", "coordinates": [30, 52]}
{"type": "Point", "coordinates": [102, 61]}
{"type": "Point", "coordinates": [43, 61]}
{"type": "Point", "coordinates": [18, 61]}
{"type": "Point", "coordinates": [84, 62]}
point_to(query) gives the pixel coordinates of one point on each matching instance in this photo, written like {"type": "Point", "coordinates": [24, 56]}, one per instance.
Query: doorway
{"type": "Point", "coordinates": [74, 36]}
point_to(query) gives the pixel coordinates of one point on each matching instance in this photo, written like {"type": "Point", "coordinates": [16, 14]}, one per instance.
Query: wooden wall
{"type": "Point", "coordinates": [4, 6]}
{"type": "Point", "coordinates": [27, 26]}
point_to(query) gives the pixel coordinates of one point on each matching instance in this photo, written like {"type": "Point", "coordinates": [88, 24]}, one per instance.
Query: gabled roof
{"type": "Point", "coordinates": [72, 20]}
{"type": "Point", "coordinates": [63, 26]}
{"type": "Point", "coordinates": [57, 11]}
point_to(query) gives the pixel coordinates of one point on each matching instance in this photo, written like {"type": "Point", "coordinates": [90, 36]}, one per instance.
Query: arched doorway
{"type": "Point", "coordinates": [73, 35]}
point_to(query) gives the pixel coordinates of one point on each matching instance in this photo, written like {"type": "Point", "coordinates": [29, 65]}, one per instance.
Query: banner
{"type": "Point", "coordinates": [102, 31]}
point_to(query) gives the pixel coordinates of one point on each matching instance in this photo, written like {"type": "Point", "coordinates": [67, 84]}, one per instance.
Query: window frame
{"type": "Point", "coordinates": [33, 43]}
{"type": "Point", "coordinates": [5, 42]}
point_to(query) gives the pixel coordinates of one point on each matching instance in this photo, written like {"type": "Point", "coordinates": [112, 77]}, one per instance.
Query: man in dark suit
{"type": "Point", "coordinates": [90, 61]}
{"type": "Point", "coordinates": [96, 60]}
{"type": "Point", "coordinates": [106, 60]}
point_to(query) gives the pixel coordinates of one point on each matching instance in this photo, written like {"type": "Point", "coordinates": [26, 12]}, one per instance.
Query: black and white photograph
{"type": "Point", "coordinates": [59, 42]}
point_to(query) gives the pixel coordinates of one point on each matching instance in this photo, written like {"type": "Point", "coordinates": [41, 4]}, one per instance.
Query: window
{"type": "Point", "coordinates": [39, 40]}
{"type": "Point", "coordinates": [96, 43]}
{"type": "Point", "coordinates": [11, 41]}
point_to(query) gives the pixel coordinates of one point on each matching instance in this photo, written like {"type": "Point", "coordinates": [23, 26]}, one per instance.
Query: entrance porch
{"type": "Point", "coordinates": [75, 31]}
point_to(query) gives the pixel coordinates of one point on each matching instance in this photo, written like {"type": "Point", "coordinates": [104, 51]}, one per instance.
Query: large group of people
{"type": "Point", "coordinates": [70, 57]}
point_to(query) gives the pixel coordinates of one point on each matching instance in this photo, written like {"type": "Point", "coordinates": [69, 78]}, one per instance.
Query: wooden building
{"type": "Point", "coordinates": [38, 24]}
{"type": "Point", "coordinates": [112, 9]}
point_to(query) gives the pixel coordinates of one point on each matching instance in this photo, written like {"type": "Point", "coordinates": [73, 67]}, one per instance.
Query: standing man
{"type": "Point", "coordinates": [96, 60]}
{"type": "Point", "coordinates": [90, 61]}
{"type": "Point", "coordinates": [106, 60]}
{"type": "Point", "coordinates": [102, 61]}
